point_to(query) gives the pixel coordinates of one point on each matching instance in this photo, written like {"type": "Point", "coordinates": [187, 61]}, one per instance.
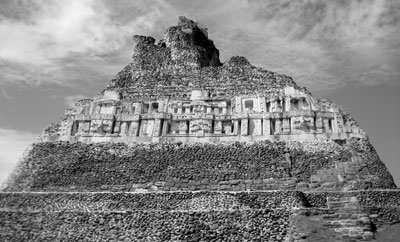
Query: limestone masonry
{"type": "Point", "coordinates": [182, 147]}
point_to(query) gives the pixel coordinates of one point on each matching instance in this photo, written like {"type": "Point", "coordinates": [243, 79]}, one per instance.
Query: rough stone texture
{"type": "Point", "coordinates": [195, 216]}
{"type": "Point", "coordinates": [264, 165]}
{"type": "Point", "coordinates": [228, 225]}
{"type": "Point", "coordinates": [122, 201]}
{"type": "Point", "coordinates": [182, 147]}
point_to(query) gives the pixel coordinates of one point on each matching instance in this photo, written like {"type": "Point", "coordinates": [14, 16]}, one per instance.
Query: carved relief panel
{"type": "Point", "coordinates": [276, 106]}
{"type": "Point", "coordinates": [218, 127]}
{"type": "Point", "coordinates": [107, 126]}
{"type": "Point", "coordinates": [137, 108]}
{"type": "Point", "coordinates": [263, 105]}
{"type": "Point", "coordinates": [227, 127]}
{"type": "Point", "coordinates": [238, 105]}
{"type": "Point", "coordinates": [200, 126]}
{"type": "Point", "coordinates": [124, 128]}
{"type": "Point", "coordinates": [83, 127]}
{"type": "Point", "coordinates": [302, 125]}
{"type": "Point", "coordinates": [179, 127]}
{"type": "Point", "coordinates": [133, 128]}
{"type": "Point", "coordinates": [95, 126]}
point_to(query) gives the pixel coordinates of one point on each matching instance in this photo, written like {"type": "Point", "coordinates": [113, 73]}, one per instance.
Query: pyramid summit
{"type": "Point", "coordinates": [182, 147]}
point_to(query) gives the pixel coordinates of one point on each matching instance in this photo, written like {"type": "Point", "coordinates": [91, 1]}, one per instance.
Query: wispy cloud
{"type": "Point", "coordinates": [12, 145]}
{"type": "Point", "coordinates": [322, 44]}
{"type": "Point", "coordinates": [39, 48]}
{"type": "Point", "coordinates": [71, 100]}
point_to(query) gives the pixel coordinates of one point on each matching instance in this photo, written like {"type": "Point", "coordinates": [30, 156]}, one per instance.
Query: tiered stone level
{"type": "Point", "coordinates": [182, 147]}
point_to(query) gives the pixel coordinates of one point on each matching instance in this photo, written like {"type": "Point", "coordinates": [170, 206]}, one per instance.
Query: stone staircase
{"type": "Point", "coordinates": [348, 219]}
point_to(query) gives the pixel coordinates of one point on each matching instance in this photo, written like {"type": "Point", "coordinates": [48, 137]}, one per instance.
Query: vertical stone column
{"type": "Point", "coordinates": [157, 127]}
{"type": "Point", "coordinates": [266, 126]}
{"type": "Point", "coordinates": [238, 104]}
{"type": "Point", "coordinates": [326, 126]}
{"type": "Point", "coordinates": [217, 126]}
{"type": "Point", "coordinates": [319, 125]}
{"type": "Point", "coordinates": [117, 127]}
{"type": "Point", "coordinates": [124, 129]}
{"type": "Point", "coordinates": [278, 126]}
{"type": "Point", "coordinates": [257, 127]}
{"type": "Point", "coordinates": [286, 126]}
{"type": "Point", "coordinates": [113, 109]}
{"type": "Point", "coordinates": [92, 108]}
{"type": "Point", "coordinates": [339, 124]}
{"type": "Point", "coordinates": [236, 127]}
{"type": "Point", "coordinates": [74, 128]}
{"type": "Point", "coordinates": [245, 127]}
{"type": "Point", "coordinates": [224, 110]}
{"type": "Point", "coordinates": [133, 129]}
{"type": "Point", "coordinates": [287, 103]}
{"type": "Point", "coordinates": [165, 128]}
{"type": "Point", "coordinates": [334, 125]}
{"type": "Point", "coordinates": [300, 100]}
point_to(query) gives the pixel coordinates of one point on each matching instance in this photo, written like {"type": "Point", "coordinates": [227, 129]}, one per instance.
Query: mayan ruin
{"type": "Point", "coordinates": [180, 146]}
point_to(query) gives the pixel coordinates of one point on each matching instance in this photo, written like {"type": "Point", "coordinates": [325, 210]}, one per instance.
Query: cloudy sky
{"type": "Point", "coordinates": [55, 52]}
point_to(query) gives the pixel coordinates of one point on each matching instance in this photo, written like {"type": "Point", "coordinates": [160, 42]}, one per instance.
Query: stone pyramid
{"type": "Point", "coordinates": [182, 147]}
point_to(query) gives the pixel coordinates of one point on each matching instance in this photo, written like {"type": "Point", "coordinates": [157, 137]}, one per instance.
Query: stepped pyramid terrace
{"type": "Point", "coordinates": [180, 146]}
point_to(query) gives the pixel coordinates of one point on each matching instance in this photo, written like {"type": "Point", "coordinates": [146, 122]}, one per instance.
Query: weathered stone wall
{"type": "Point", "coordinates": [227, 225]}
{"type": "Point", "coordinates": [367, 198]}
{"type": "Point", "coordinates": [236, 166]}
{"type": "Point", "coordinates": [173, 216]}
{"type": "Point", "coordinates": [382, 206]}
{"type": "Point", "coordinates": [103, 202]}
{"type": "Point", "coordinates": [187, 216]}
{"type": "Point", "coordinates": [187, 59]}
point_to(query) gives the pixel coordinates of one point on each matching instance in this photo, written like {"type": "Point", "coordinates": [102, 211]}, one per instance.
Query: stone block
{"type": "Point", "coordinates": [225, 187]}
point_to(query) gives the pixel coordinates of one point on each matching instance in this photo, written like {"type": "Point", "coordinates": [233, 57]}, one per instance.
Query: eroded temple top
{"type": "Point", "coordinates": [178, 90]}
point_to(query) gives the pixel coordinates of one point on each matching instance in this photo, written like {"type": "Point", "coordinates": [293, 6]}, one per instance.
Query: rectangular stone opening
{"type": "Point", "coordinates": [249, 105]}
{"type": "Point", "coordinates": [294, 104]}
{"type": "Point", "coordinates": [154, 107]}
{"type": "Point", "coordinates": [118, 111]}
{"type": "Point", "coordinates": [145, 108]}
